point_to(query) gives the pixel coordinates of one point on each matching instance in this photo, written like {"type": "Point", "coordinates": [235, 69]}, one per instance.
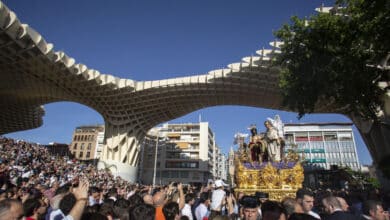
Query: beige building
{"type": "Point", "coordinates": [186, 153]}
{"type": "Point", "coordinates": [87, 142]}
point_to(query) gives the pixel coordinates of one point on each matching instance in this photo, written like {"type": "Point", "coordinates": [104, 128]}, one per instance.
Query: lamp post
{"type": "Point", "coordinates": [155, 160]}
{"type": "Point", "coordinates": [158, 135]}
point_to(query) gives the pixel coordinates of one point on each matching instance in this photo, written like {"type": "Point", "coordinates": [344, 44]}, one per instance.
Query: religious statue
{"type": "Point", "coordinates": [239, 139]}
{"type": "Point", "coordinates": [257, 146]}
{"type": "Point", "coordinates": [277, 123]}
{"type": "Point", "coordinates": [274, 145]}
{"type": "Point", "coordinates": [281, 176]}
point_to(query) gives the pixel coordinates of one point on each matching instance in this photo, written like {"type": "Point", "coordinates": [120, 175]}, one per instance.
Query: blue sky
{"type": "Point", "coordinates": [150, 40]}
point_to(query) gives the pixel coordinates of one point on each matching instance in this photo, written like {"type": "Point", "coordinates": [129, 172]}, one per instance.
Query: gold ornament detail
{"type": "Point", "coordinates": [277, 179]}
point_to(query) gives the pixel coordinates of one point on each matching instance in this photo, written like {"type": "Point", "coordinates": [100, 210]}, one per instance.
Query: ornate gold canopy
{"type": "Point", "coordinates": [278, 179]}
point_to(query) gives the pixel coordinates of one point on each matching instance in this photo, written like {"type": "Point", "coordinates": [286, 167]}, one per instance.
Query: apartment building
{"type": "Point", "coordinates": [323, 144]}
{"type": "Point", "coordinates": [87, 142]}
{"type": "Point", "coordinates": [184, 153]}
{"type": "Point", "coordinates": [220, 169]}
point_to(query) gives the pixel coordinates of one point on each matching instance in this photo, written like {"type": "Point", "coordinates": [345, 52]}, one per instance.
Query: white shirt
{"type": "Point", "coordinates": [216, 199]}
{"type": "Point", "coordinates": [187, 211]}
{"type": "Point", "coordinates": [57, 214]}
{"type": "Point", "coordinates": [130, 194]}
{"type": "Point", "coordinates": [201, 211]}
{"type": "Point", "coordinates": [315, 215]}
{"type": "Point", "coordinates": [92, 201]}
{"type": "Point", "coordinates": [27, 174]}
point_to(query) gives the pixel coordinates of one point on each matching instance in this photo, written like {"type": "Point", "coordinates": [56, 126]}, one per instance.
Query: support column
{"type": "Point", "coordinates": [376, 135]}
{"type": "Point", "coordinates": [120, 153]}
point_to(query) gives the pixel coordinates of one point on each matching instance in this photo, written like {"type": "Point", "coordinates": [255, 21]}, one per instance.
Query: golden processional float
{"type": "Point", "coordinates": [265, 165]}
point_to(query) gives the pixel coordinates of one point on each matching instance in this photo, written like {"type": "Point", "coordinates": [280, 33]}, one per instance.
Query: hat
{"type": "Point", "coordinates": [219, 183]}
{"type": "Point", "coordinates": [249, 202]}
{"type": "Point", "coordinates": [262, 195]}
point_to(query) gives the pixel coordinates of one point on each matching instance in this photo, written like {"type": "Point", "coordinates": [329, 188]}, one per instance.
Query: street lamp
{"type": "Point", "coordinates": [158, 134]}
{"type": "Point", "coordinates": [155, 162]}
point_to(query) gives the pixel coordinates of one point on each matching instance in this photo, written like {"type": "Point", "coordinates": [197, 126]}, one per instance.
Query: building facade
{"type": "Point", "coordinates": [58, 149]}
{"type": "Point", "coordinates": [221, 164]}
{"type": "Point", "coordinates": [323, 144]}
{"type": "Point", "coordinates": [87, 142]}
{"type": "Point", "coordinates": [186, 153]}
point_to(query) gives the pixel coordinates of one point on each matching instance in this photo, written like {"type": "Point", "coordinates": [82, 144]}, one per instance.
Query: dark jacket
{"type": "Point", "coordinates": [340, 215]}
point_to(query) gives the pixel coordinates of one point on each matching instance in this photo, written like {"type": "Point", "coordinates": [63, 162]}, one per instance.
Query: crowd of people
{"type": "Point", "coordinates": [37, 185]}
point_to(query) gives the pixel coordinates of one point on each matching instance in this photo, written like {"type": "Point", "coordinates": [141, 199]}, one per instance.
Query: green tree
{"type": "Point", "coordinates": [336, 59]}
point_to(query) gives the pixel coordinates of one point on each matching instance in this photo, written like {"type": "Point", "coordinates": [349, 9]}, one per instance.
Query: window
{"type": "Point", "coordinates": [195, 128]}
{"type": "Point", "coordinates": [184, 155]}
{"type": "Point", "coordinates": [330, 136]}
{"type": "Point", "coordinates": [186, 137]}
{"type": "Point", "coordinates": [75, 146]}
{"type": "Point", "coordinates": [345, 136]}
{"type": "Point", "coordinates": [173, 155]}
{"type": "Point", "coordinates": [174, 174]}
{"type": "Point", "coordinates": [165, 174]}
{"type": "Point", "coordinates": [184, 174]}
{"type": "Point", "coordinates": [318, 146]}
{"type": "Point", "coordinates": [301, 136]}
{"type": "Point", "coordinates": [331, 146]}
{"type": "Point", "coordinates": [315, 136]}
{"type": "Point", "coordinates": [194, 165]}
{"type": "Point", "coordinates": [193, 146]}
{"type": "Point", "coordinates": [81, 154]}
{"type": "Point", "coordinates": [174, 164]}
{"type": "Point", "coordinates": [195, 175]}
{"type": "Point", "coordinates": [88, 154]}
{"type": "Point", "coordinates": [194, 156]}
{"type": "Point", "coordinates": [82, 146]}
{"type": "Point", "coordinates": [89, 146]}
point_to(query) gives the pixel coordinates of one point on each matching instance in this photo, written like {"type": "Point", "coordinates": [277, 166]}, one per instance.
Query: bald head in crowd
{"type": "Point", "coordinates": [291, 206]}
{"type": "Point", "coordinates": [343, 203]}
{"type": "Point", "coordinates": [148, 199]}
{"type": "Point", "coordinates": [331, 204]}
{"type": "Point", "coordinates": [159, 198]}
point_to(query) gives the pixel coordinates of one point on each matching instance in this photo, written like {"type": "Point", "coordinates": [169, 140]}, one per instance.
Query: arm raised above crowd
{"type": "Point", "coordinates": [81, 194]}
{"type": "Point", "coordinates": [181, 196]}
